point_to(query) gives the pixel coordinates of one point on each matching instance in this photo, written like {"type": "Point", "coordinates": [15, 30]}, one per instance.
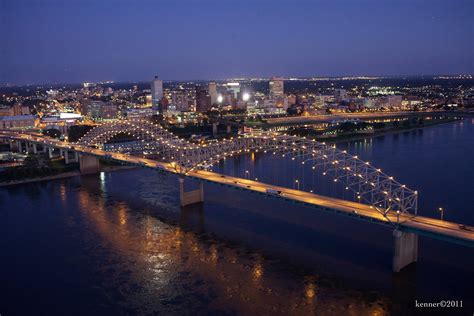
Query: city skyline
{"type": "Point", "coordinates": [210, 40]}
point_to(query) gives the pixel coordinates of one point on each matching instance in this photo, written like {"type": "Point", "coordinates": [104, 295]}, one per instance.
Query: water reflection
{"type": "Point", "coordinates": [169, 261]}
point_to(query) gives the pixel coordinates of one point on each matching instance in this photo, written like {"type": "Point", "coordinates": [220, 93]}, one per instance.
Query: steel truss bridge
{"type": "Point", "coordinates": [367, 182]}
{"type": "Point", "coordinates": [378, 197]}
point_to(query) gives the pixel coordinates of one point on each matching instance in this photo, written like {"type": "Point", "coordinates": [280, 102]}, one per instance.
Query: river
{"type": "Point", "coordinates": [118, 243]}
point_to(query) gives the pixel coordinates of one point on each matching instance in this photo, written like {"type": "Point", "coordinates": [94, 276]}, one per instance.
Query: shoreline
{"type": "Point", "coordinates": [63, 175]}
{"type": "Point", "coordinates": [388, 132]}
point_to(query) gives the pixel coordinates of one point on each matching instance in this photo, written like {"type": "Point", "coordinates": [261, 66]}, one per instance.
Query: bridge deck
{"type": "Point", "coordinates": [427, 226]}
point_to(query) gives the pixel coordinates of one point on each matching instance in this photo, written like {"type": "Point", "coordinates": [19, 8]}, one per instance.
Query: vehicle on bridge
{"type": "Point", "coordinates": [273, 191]}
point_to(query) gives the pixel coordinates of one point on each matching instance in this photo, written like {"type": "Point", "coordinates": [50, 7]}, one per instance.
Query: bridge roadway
{"type": "Point", "coordinates": [435, 228]}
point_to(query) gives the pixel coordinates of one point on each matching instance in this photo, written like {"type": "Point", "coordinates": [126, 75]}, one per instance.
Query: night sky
{"type": "Point", "coordinates": [51, 41]}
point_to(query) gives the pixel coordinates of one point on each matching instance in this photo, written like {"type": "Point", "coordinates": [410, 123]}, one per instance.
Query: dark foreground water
{"type": "Point", "coordinates": [117, 243]}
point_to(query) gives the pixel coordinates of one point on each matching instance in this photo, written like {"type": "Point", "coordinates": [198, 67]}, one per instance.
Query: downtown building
{"type": "Point", "coordinates": [203, 99]}
{"type": "Point", "coordinates": [277, 87]}
{"type": "Point", "coordinates": [156, 91]}
{"type": "Point", "coordinates": [213, 92]}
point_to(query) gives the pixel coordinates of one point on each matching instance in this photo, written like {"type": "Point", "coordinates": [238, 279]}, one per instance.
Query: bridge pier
{"type": "Point", "coordinates": [214, 129]}
{"type": "Point", "coordinates": [89, 164]}
{"type": "Point", "coordinates": [13, 145]}
{"type": "Point", "coordinates": [405, 249]}
{"type": "Point", "coordinates": [190, 197]}
{"type": "Point", "coordinates": [30, 148]}
{"type": "Point", "coordinates": [67, 157]}
{"type": "Point", "coordinates": [51, 153]}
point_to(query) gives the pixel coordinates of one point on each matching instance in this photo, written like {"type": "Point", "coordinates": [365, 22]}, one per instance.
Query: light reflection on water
{"type": "Point", "coordinates": [143, 265]}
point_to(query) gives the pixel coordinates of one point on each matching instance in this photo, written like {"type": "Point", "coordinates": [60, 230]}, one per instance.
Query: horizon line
{"type": "Point", "coordinates": [286, 78]}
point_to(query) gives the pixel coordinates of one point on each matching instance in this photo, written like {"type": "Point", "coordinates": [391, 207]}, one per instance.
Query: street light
{"type": "Point", "coordinates": [441, 210]}
{"type": "Point", "coordinates": [297, 183]}
{"type": "Point", "coordinates": [247, 175]}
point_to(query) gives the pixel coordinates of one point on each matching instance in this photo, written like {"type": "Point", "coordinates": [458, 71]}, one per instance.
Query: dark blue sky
{"type": "Point", "coordinates": [46, 41]}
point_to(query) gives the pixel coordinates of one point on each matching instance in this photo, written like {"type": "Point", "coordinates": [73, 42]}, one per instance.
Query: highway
{"type": "Point", "coordinates": [435, 228]}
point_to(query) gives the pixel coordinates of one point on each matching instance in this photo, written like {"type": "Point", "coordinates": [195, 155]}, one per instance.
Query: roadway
{"type": "Point", "coordinates": [444, 230]}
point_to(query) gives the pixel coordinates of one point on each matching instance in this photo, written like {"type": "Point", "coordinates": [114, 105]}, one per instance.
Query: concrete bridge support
{"type": "Point", "coordinates": [68, 159]}
{"type": "Point", "coordinates": [40, 148]}
{"type": "Point", "coordinates": [14, 146]}
{"type": "Point", "coordinates": [214, 129]}
{"type": "Point", "coordinates": [51, 152]}
{"type": "Point", "coordinates": [190, 197]}
{"type": "Point", "coordinates": [89, 164]}
{"type": "Point", "coordinates": [31, 148]}
{"type": "Point", "coordinates": [405, 249]}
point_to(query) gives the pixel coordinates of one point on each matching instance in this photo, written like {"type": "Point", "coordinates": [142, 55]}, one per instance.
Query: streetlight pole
{"type": "Point", "coordinates": [297, 184]}
{"type": "Point", "coordinates": [441, 210]}
{"type": "Point", "coordinates": [247, 174]}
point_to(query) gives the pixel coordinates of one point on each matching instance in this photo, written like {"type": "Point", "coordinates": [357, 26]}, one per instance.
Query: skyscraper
{"type": "Point", "coordinates": [156, 91]}
{"type": "Point", "coordinates": [203, 99]}
{"type": "Point", "coordinates": [234, 87]}
{"type": "Point", "coordinates": [276, 87]}
{"type": "Point", "coordinates": [213, 92]}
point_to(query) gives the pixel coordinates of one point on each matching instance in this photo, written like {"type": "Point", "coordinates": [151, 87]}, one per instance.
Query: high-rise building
{"type": "Point", "coordinates": [213, 92]}
{"type": "Point", "coordinates": [276, 87]}
{"type": "Point", "coordinates": [234, 87]}
{"type": "Point", "coordinates": [203, 99]}
{"type": "Point", "coordinates": [156, 91]}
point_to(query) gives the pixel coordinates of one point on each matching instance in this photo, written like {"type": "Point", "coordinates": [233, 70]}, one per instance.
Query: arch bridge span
{"type": "Point", "coordinates": [369, 184]}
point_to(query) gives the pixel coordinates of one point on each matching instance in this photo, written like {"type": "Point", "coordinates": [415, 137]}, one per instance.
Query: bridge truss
{"type": "Point", "coordinates": [369, 184]}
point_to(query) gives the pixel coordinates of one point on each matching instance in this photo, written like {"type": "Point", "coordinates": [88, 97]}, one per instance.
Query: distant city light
{"type": "Point", "coordinates": [220, 98]}
{"type": "Point", "coordinates": [246, 97]}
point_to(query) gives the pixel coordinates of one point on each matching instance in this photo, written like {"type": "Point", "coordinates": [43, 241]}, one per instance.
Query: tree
{"type": "Point", "coordinates": [77, 131]}
{"type": "Point", "coordinates": [31, 162]}
{"type": "Point", "coordinates": [52, 132]}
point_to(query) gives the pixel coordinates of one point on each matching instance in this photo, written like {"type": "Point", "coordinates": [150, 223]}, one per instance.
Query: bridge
{"type": "Point", "coordinates": [379, 198]}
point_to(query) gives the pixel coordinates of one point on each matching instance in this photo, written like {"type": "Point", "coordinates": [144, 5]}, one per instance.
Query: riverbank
{"type": "Point", "coordinates": [62, 175]}
{"type": "Point", "coordinates": [355, 137]}
{"type": "Point", "coordinates": [328, 118]}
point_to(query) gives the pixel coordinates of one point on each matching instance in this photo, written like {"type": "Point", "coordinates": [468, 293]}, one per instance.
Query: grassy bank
{"type": "Point", "coordinates": [374, 132]}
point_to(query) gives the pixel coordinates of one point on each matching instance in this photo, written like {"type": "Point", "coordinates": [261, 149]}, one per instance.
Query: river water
{"type": "Point", "coordinates": [118, 243]}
